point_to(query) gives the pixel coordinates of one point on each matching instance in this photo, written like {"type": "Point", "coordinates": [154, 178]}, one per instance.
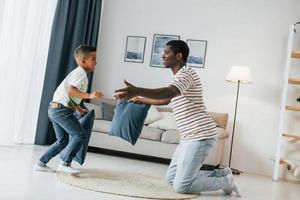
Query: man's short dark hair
{"type": "Point", "coordinates": [179, 46]}
{"type": "Point", "coordinates": [84, 50]}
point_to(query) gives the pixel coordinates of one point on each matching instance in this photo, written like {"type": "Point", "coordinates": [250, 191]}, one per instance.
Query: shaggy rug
{"type": "Point", "coordinates": [122, 183]}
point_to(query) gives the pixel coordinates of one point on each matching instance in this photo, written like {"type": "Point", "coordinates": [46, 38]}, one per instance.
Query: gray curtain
{"type": "Point", "coordinates": [76, 22]}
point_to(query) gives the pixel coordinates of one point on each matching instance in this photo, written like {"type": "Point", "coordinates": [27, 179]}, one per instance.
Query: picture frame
{"type": "Point", "coordinates": [159, 42]}
{"type": "Point", "coordinates": [135, 49]}
{"type": "Point", "coordinates": [197, 53]}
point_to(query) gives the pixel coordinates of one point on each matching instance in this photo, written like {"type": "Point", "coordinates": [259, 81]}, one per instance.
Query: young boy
{"type": "Point", "coordinates": [66, 100]}
{"type": "Point", "coordinates": [195, 126]}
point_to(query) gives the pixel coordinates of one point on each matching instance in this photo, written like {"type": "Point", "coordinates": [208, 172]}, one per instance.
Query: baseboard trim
{"type": "Point", "coordinates": [129, 155]}
{"type": "Point", "coordinates": [141, 157]}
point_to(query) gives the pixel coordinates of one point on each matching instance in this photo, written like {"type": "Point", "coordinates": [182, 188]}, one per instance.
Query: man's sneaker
{"type": "Point", "coordinates": [229, 188]}
{"type": "Point", "coordinates": [67, 169]}
{"type": "Point", "coordinates": [43, 168]}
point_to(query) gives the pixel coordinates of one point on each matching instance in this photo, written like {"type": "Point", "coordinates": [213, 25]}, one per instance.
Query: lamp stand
{"type": "Point", "coordinates": [234, 171]}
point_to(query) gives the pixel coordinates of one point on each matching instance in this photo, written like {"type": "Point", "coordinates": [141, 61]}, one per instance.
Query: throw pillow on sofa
{"type": "Point", "coordinates": [108, 111]}
{"type": "Point", "coordinates": [167, 121]}
{"type": "Point", "coordinates": [128, 120]}
{"type": "Point", "coordinates": [96, 108]}
{"type": "Point", "coordinates": [153, 115]}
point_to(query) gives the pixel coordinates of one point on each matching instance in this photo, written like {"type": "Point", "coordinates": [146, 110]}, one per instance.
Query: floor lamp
{"type": "Point", "coordinates": [238, 75]}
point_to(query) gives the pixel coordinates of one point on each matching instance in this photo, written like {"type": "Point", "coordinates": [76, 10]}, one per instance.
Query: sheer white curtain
{"type": "Point", "coordinates": [25, 28]}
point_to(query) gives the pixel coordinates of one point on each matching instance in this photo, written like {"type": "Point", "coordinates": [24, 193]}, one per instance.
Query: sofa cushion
{"type": "Point", "coordinates": [167, 122]}
{"type": "Point", "coordinates": [170, 136]}
{"type": "Point", "coordinates": [102, 126]}
{"type": "Point", "coordinates": [153, 115]}
{"type": "Point", "coordinates": [108, 111]}
{"type": "Point", "coordinates": [220, 119]}
{"type": "Point", "coordinates": [109, 101]}
{"type": "Point", "coordinates": [164, 108]}
{"type": "Point", "coordinates": [151, 133]}
{"type": "Point", "coordinates": [96, 108]}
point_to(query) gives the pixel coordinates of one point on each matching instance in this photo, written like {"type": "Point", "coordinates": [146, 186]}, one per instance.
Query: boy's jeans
{"type": "Point", "coordinates": [184, 171]}
{"type": "Point", "coordinates": [64, 123]}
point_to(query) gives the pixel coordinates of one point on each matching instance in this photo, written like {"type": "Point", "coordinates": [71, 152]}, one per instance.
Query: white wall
{"type": "Point", "coordinates": [251, 33]}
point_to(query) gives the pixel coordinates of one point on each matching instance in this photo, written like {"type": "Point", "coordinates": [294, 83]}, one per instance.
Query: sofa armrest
{"type": "Point", "coordinates": [222, 133]}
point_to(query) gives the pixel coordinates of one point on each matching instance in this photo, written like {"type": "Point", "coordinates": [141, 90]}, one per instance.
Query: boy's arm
{"type": "Point", "coordinates": [160, 93]}
{"type": "Point", "coordinates": [74, 92]}
{"type": "Point", "coordinates": [145, 100]}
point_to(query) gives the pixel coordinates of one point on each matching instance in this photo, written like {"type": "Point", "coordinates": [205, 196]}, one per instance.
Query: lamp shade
{"type": "Point", "coordinates": [239, 73]}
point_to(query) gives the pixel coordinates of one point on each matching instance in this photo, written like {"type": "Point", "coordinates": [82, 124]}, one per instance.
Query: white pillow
{"type": "Point", "coordinates": [153, 115]}
{"type": "Point", "coordinates": [97, 108]}
{"type": "Point", "coordinates": [166, 123]}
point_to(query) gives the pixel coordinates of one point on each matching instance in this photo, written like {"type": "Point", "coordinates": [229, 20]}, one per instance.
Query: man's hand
{"type": "Point", "coordinates": [126, 93]}
{"type": "Point", "coordinates": [95, 95]}
{"type": "Point", "coordinates": [136, 99]}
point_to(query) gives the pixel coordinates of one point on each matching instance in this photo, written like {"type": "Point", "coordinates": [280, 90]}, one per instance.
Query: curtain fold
{"type": "Point", "coordinates": [25, 28]}
{"type": "Point", "coordinates": [76, 22]}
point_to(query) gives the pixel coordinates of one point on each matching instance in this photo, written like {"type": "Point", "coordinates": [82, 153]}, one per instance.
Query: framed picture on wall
{"type": "Point", "coordinates": [197, 53]}
{"type": "Point", "coordinates": [159, 42]}
{"type": "Point", "coordinates": [135, 49]}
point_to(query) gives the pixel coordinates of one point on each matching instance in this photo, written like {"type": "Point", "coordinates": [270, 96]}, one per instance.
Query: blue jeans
{"type": "Point", "coordinates": [65, 124]}
{"type": "Point", "coordinates": [184, 172]}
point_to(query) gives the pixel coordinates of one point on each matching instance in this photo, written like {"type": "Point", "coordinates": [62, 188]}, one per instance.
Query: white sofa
{"type": "Point", "coordinates": [154, 141]}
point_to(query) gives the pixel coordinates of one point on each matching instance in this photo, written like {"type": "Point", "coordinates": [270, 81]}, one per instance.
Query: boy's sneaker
{"type": "Point", "coordinates": [67, 169]}
{"type": "Point", "coordinates": [42, 167]}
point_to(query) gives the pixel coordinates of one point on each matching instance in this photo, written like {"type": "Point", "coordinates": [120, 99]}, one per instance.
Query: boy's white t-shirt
{"type": "Point", "coordinates": [77, 78]}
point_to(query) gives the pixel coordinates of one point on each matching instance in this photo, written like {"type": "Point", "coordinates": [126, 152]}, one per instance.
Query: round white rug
{"type": "Point", "coordinates": [122, 183]}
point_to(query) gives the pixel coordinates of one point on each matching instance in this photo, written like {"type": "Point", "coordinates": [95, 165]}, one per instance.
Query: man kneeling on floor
{"type": "Point", "coordinates": [195, 126]}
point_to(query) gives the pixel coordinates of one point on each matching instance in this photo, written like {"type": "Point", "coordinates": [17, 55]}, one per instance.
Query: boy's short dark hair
{"type": "Point", "coordinates": [84, 50]}
{"type": "Point", "coordinates": [179, 46]}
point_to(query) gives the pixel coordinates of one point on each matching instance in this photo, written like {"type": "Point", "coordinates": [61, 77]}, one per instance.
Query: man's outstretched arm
{"type": "Point", "coordinates": [131, 91]}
